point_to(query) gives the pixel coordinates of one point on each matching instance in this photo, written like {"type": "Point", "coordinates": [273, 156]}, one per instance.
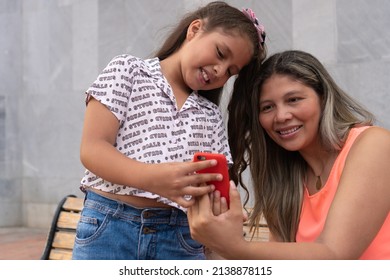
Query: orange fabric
{"type": "Point", "coordinates": [315, 208]}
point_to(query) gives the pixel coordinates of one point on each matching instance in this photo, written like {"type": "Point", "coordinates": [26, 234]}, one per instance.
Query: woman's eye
{"type": "Point", "coordinates": [265, 108]}
{"type": "Point", "coordinates": [293, 99]}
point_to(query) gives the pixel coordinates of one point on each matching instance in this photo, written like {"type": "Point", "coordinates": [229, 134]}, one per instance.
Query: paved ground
{"type": "Point", "coordinates": [22, 243]}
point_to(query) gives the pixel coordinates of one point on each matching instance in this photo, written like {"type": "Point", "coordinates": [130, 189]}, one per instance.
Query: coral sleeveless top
{"type": "Point", "coordinates": [315, 208]}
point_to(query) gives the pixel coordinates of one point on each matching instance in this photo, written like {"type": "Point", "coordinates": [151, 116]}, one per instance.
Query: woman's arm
{"type": "Point", "coordinates": [223, 234]}
{"type": "Point", "coordinates": [362, 200]}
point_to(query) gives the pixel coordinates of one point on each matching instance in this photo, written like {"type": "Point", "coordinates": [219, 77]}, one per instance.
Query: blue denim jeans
{"type": "Point", "coordinates": [111, 230]}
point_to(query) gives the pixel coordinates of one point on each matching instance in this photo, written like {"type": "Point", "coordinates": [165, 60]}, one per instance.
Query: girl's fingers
{"type": "Point", "coordinates": [185, 201]}
{"type": "Point", "coordinates": [196, 166]}
{"type": "Point", "coordinates": [198, 190]}
{"type": "Point", "coordinates": [191, 193]}
{"type": "Point", "coordinates": [195, 178]}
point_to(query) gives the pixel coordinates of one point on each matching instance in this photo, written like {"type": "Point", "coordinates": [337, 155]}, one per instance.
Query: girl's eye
{"type": "Point", "coordinates": [219, 53]}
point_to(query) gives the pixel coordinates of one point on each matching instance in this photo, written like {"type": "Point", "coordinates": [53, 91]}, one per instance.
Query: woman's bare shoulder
{"type": "Point", "coordinates": [374, 135]}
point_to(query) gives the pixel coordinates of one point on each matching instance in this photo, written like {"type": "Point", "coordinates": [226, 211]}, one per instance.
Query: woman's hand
{"type": "Point", "coordinates": [220, 205]}
{"type": "Point", "coordinates": [221, 233]}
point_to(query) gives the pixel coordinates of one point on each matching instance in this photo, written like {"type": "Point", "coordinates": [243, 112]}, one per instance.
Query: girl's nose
{"type": "Point", "coordinates": [220, 70]}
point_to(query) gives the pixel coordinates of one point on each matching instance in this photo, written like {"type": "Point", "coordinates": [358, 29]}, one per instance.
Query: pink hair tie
{"type": "Point", "coordinates": [259, 27]}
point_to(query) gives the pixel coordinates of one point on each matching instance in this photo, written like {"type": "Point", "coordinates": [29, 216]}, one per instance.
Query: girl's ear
{"type": "Point", "coordinates": [194, 28]}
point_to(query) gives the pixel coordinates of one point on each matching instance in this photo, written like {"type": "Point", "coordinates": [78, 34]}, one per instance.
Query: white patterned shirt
{"type": "Point", "coordinates": [152, 128]}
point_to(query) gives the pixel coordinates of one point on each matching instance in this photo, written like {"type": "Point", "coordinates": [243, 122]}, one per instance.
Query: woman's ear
{"type": "Point", "coordinates": [194, 28]}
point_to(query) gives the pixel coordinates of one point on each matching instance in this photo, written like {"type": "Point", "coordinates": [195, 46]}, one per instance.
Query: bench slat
{"type": "Point", "coordinates": [68, 220]}
{"type": "Point", "coordinates": [60, 254]}
{"type": "Point", "coordinates": [64, 240]}
{"type": "Point", "coordinates": [74, 204]}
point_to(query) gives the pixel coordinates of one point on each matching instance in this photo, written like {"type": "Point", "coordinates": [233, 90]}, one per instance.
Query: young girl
{"type": "Point", "coordinates": [320, 170]}
{"type": "Point", "coordinates": [144, 121]}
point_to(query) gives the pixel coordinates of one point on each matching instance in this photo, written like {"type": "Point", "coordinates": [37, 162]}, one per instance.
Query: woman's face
{"type": "Point", "coordinates": [290, 112]}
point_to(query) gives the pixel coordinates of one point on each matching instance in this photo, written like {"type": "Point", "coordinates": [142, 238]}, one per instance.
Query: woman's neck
{"type": "Point", "coordinates": [319, 168]}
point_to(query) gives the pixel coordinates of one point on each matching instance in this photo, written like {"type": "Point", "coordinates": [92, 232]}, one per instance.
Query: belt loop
{"type": "Point", "coordinates": [118, 210]}
{"type": "Point", "coordinates": [172, 219]}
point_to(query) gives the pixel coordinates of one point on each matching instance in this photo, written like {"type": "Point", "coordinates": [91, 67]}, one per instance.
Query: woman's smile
{"type": "Point", "coordinates": [288, 132]}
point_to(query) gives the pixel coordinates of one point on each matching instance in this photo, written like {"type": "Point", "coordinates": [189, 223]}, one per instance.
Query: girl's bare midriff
{"type": "Point", "coordinates": [136, 201]}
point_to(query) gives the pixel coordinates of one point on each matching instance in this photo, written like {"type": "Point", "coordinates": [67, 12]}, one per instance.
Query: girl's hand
{"type": "Point", "coordinates": [223, 233]}
{"type": "Point", "coordinates": [179, 181]}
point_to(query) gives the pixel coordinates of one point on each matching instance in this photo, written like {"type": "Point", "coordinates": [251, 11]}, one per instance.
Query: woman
{"type": "Point", "coordinates": [320, 170]}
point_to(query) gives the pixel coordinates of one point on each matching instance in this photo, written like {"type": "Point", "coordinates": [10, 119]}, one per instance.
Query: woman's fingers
{"type": "Point", "coordinates": [235, 199]}
{"type": "Point", "coordinates": [224, 205]}
{"type": "Point", "coordinates": [244, 216]}
{"type": "Point", "coordinates": [216, 202]}
{"type": "Point", "coordinates": [219, 203]}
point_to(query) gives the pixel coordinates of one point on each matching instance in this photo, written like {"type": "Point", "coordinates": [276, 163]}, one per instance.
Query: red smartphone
{"type": "Point", "coordinates": [221, 168]}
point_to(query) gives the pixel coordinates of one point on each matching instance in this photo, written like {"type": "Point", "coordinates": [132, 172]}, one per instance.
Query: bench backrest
{"type": "Point", "coordinates": [60, 240]}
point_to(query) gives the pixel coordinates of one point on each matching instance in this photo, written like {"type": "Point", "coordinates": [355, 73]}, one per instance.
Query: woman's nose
{"type": "Point", "coordinates": [283, 114]}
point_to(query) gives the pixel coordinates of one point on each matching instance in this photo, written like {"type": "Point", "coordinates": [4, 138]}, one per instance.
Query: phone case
{"type": "Point", "coordinates": [221, 167]}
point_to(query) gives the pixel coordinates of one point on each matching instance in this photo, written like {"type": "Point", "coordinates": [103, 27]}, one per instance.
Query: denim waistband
{"type": "Point", "coordinates": [120, 210]}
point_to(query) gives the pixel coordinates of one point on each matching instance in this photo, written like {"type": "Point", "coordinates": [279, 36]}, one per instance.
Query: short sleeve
{"type": "Point", "coordinates": [114, 85]}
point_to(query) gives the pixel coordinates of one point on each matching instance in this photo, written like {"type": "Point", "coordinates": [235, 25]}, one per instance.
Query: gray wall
{"type": "Point", "coordinates": [52, 50]}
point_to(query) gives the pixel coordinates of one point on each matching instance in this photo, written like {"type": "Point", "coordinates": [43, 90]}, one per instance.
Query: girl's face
{"type": "Point", "coordinates": [290, 113]}
{"type": "Point", "coordinates": [209, 59]}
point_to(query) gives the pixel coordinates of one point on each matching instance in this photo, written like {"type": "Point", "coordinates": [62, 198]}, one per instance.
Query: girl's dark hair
{"type": "Point", "coordinates": [216, 14]}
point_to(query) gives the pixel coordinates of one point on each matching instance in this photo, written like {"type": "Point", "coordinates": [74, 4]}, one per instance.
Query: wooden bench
{"type": "Point", "coordinates": [60, 240]}
{"type": "Point", "coordinates": [261, 232]}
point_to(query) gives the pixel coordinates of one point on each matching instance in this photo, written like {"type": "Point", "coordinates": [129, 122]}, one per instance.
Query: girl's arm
{"type": "Point", "coordinates": [358, 211]}
{"type": "Point", "coordinates": [170, 180]}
